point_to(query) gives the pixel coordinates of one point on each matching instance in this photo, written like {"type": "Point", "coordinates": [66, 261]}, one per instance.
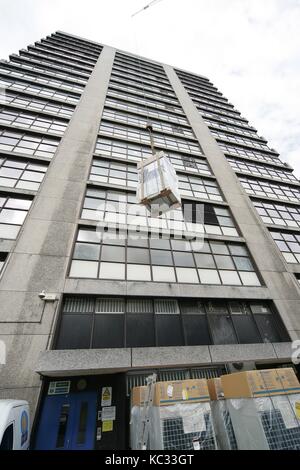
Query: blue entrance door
{"type": "Point", "coordinates": [67, 422]}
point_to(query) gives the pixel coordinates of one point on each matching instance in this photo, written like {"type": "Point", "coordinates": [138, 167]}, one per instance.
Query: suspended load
{"type": "Point", "coordinates": [158, 184]}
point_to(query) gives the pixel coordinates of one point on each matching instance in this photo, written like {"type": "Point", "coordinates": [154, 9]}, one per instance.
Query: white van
{"type": "Point", "coordinates": [14, 425]}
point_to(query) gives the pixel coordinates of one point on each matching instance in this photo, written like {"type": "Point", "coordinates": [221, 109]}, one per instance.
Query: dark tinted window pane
{"type": "Point", "coordinates": [62, 427]}
{"type": "Point", "coordinates": [246, 329]}
{"type": "Point", "coordinates": [169, 331]}
{"type": "Point", "coordinates": [137, 255]}
{"type": "Point", "coordinates": [221, 329]}
{"type": "Point", "coordinates": [196, 330]}
{"type": "Point", "coordinates": [8, 438]}
{"type": "Point", "coordinates": [108, 331]}
{"type": "Point", "coordinates": [183, 259]}
{"type": "Point", "coordinates": [267, 328]}
{"type": "Point", "coordinates": [81, 436]}
{"type": "Point", "coordinates": [161, 258]}
{"type": "Point", "coordinates": [140, 330]}
{"type": "Point", "coordinates": [75, 332]}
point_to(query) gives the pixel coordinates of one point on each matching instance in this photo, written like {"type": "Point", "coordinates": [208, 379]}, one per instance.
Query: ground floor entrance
{"type": "Point", "coordinates": [82, 413]}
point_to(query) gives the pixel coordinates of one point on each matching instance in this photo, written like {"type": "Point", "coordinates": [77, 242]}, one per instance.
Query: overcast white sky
{"type": "Point", "coordinates": [250, 49]}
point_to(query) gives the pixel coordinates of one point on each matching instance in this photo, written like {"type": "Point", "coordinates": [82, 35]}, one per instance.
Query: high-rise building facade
{"type": "Point", "coordinates": [84, 315]}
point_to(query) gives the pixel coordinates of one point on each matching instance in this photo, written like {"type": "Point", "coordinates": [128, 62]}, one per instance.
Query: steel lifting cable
{"type": "Point", "coordinates": [146, 7]}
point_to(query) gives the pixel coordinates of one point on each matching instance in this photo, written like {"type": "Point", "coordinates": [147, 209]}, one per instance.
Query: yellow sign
{"type": "Point", "coordinates": [107, 426]}
{"type": "Point", "coordinates": [106, 396]}
{"type": "Point", "coordinates": [297, 407]}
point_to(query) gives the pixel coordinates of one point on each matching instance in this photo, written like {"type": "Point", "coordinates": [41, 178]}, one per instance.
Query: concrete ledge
{"type": "Point", "coordinates": [152, 289]}
{"type": "Point", "coordinates": [283, 351]}
{"type": "Point", "coordinates": [83, 362]}
{"type": "Point", "coordinates": [242, 352]}
{"type": "Point", "coordinates": [170, 356]}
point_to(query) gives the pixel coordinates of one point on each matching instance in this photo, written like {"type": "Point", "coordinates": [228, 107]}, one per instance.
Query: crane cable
{"type": "Point", "coordinates": [146, 7]}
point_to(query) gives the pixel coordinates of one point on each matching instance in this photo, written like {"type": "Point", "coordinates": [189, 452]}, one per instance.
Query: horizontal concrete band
{"type": "Point", "coordinates": [100, 361]}
{"type": "Point", "coordinates": [151, 289]}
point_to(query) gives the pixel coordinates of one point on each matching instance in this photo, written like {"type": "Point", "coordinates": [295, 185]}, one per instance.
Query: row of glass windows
{"type": "Point", "coordinates": [196, 81]}
{"type": "Point", "coordinates": [236, 129]}
{"type": "Point", "coordinates": [65, 57]}
{"type": "Point", "coordinates": [141, 66]}
{"type": "Point", "coordinates": [42, 69]}
{"type": "Point", "coordinates": [13, 212]}
{"type": "Point", "coordinates": [122, 174]}
{"type": "Point", "coordinates": [140, 62]}
{"type": "Point", "coordinates": [53, 65]}
{"type": "Point", "coordinates": [201, 104]}
{"type": "Point", "coordinates": [134, 322]}
{"type": "Point", "coordinates": [145, 111]}
{"type": "Point", "coordinates": [289, 245]}
{"type": "Point", "coordinates": [142, 136]}
{"type": "Point", "coordinates": [119, 207]}
{"type": "Point", "coordinates": [33, 121]}
{"type": "Point", "coordinates": [77, 44]}
{"type": "Point", "coordinates": [159, 126]}
{"type": "Point", "coordinates": [45, 45]}
{"type": "Point", "coordinates": [56, 60]}
{"type": "Point", "coordinates": [144, 86]}
{"type": "Point", "coordinates": [267, 188]}
{"type": "Point", "coordinates": [36, 104]}
{"type": "Point", "coordinates": [222, 118]}
{"type": "Point", "coordinates": [263, 157]}
{"type": "Point", "coordinates": [161, 260]}
{"type": "Point", "coordinates": [69, 48]}
{"type": "Point", "coordinates": [278, 214]}
{"type": "Point", "coordinates": [17, 85]}
{"type": "Point", "coordinates": [200, 98]}
{"type": "Point", "coordinates": [240, 140]}
{"type": "Point", "coordinates": [28, 144]}
{"type": "Point", "coordinates": [21, 174]}
{"type": "Point", "coordinates": [140, 78]}
{"type": "Point", "coordinates": [144, 94]}
{"type": "Point", "coordinates": [137, 73]}
{"type": "Point", "coordinates": [213, 96]}
{"type": "Point", "coordinates": [129, 151]}
{"type": "Point", "coordinates": [151, 103]}
{"type": "Point", "coordinates": [261, 170]}
{"type": "Point", "coordinates": [17, 71]}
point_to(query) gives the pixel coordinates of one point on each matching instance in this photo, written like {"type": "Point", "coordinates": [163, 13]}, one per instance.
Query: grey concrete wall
{"type": "Point", "coordinates": [40, 257]}
{"type": "Point", "coordinates": [280, 283]}
{"type": "Point", "coordinates": [99, 361]}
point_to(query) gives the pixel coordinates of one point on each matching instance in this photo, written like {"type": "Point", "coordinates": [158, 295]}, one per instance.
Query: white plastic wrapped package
{"type": "Point", "coordinates": [182, 427]}
{"type": "Point", "coordinates": [224, 431]}
{"type": "Point", "coordinates": [266, 423]}
{"type": "Point", "coordinates": [158, 185]}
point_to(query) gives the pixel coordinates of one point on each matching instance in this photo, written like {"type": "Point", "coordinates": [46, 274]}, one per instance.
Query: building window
{"type": "Point", "coordinates": [268, 189]}
{"type": "Point", "coordinates": [29, 144]}
{"type": "Point", "coordinates": [142, 136]}
{"type": "Point", "coordinates": [278, 214]}
{"type": "Point", "coordinates": [261, 170]}
{"type": "Point", "coordinates": [161, 260]}
{"type": "Point", "coordinates": [107, 205]}
{"type": "Point", "coordinates": [289, 245]}
{"type": "Point", "coordinates": [21, 174]}
{"type": "Point", "coordinates": [13, 212]}
{"type": "Point", "coordinates": [108, 322]}
{"type": "Point", "coordinates": [135, 153]}
{"type": "Point", "coordinates": [37, 122]}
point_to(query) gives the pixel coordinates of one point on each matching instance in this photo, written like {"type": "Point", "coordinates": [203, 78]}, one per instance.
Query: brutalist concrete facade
{"type": "Point", "coordinates": [39, 259]}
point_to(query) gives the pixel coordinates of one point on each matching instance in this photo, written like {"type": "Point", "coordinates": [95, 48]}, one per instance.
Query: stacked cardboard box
{"type": "Point", "coordinates": [180, 416]}
{"type": "Point", "coordinates": [263, 408]}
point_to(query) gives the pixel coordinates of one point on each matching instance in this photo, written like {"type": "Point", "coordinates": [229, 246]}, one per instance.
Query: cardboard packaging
{"type": "Point", "coordinates": [260, 383]}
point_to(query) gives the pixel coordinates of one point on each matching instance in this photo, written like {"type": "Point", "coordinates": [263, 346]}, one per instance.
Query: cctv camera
{"type": "Point", "coordinates": [42, 294]}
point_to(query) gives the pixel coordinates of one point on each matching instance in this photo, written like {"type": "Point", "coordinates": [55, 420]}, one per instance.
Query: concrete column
{"type": "Point", "coordinates": [40, 258]}
{"type": "Point", "coordinates": [281, 284]}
